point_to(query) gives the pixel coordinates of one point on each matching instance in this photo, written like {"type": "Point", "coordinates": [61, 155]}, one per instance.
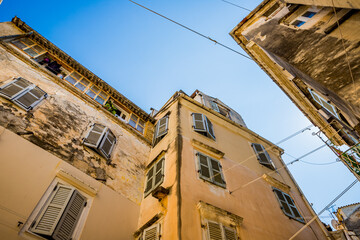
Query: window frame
{"type": "Point", "coordinates": [270, 164]}
{"type": "Point", "coordinates": [137, 123]}
{"type": "Point", "coordinates": [205, 121]}
{"type": "Point", "coordinates": [157, 138]}
{"type": "Point", "coordinates": [100, 142]}
{"type": "Point", "coordinates": [211, 178]}
{"type": "Point", "coordinates": [153, 177]}
{"type": "Point", "coordinates": [15, 98]}
{"type": "Point", "coordinates": [319, 99]}
{"type": "Point", "coordinates": [289, 205]}
{"type": "Point", "coordinates": [29, 47]}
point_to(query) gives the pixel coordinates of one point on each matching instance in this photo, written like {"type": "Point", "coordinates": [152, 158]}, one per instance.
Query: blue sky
{"type": "Point", "coordinates": [147, 59]}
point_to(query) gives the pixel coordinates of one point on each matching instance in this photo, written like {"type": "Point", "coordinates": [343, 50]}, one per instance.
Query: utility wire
{"type": "Point", "coordinates": [328, 163]}
{"type": "Point", "coordinates": [200, 34]}
{"type": "Point", "coordinates": [295, 134]}
{"type": "Point", "coordinates": [324, 209]}
{"type": "Point", "coordinates": [236, 5]}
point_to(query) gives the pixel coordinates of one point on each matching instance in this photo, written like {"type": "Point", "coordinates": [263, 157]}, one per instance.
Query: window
{"type": "Point", "coordinates": [154, 177]}
{"type": "Point", "coordinates": [29, 47]}
{"type": "Point", "coordinates": [161, 129]}
{"type": "Point", "coordinates": [263, 156]}
{"type": "Point", "coordinates": [60, 214]}
{"type": "Point", "coordinates": [203, 125]}
{"type": "Point", "coordinates": [23, 93]}
{"type": "Point", "coordinates": [210, 170]}
{"type": "Point", "coordinates": [137, 123]}
{"type": "Point", "coordinates": [101, 139]}
{"type": "Point", "coordinates": [304, 17]}
{"type": "Point", "coordinates": [217, 231]}
{"type": "Point", "coordinates": [329, 107]}
{"type": "Point", "coordinates": [151, 233]}
{"type": "Point", "coordinates": [287, 205]}
{"type": "Point", "coordinates": [95, 93]}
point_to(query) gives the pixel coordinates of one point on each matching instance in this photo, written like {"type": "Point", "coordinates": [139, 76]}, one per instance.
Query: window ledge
{"type": "Point", "coordinates": [276, 183]}
{"type": "Point", "coordinates": [208, 149]}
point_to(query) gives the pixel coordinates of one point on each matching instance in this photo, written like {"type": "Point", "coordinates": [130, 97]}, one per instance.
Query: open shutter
{"type": "Point", "coordinates": [217, 176]}
{"type": "Point", "coordinates": [293, 208]}
{"type": "Point", "coordinates": [262, 155]}
{"type": "Point", "coordinates": [155, 133]}
{"type": "Point", "coordinates": [214, 106]}
{"type": "Point", "coordinates": [107, 144]}
{"type": "Point", "coordinates": [149, 179]}
{"type": "Point", "coordinates": [230, 233]}
{"type": "Point", "coordinates": [214, 231]}
{"type": "Point", "coordinates": [53, 210]}
{"type": "Point", "coordinates": [210, 128]}
{"type": "Point", "coordinates": [14, 88]}
{"type": "Point", "coordinates": [159, 173]}
{"type": "Point", "coordinates": [163, 126]}
{"type": "Point", "coordinates": [152, 233]}
{"type": "Point", "coordinates": [95, 135]}
{"type": "Point", "coordinates": [204, 168]}
{"type": "Point", "coordinates": [199, 122]}
{"type": "Point", "coordinates": [69, 219]}
{"type": "Point", "coordinates": [284, 205]}
{"type": "Point", "coordinates": [30, 98]}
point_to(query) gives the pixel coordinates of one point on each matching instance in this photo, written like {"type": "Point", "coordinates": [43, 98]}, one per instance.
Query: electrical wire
{"type": "Point", "coordinates": [295, 134]}
{"type": "Point", "coordinates": [198, 33]}
{"type": "Point", "coordinates": [324, 209]}
{"type": "Point", "coordinates": [236, 5]}
{"type": "Point", "coordinates": [328, 163]}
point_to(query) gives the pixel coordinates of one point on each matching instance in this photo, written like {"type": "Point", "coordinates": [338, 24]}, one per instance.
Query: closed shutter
{"type": "Point", "coordinates": [262, 155]}
{"type": "Point", "coordinates": [95, 135]}
{"type": "Point", "coordinates": [53, 210]}
{"type": "Point", "coordinates": [107, 144]}
{"type": "Point", "coordinates": [14, 88]}
{"type": "Point", "coordinates": [149, 180]}
{"type": "Point", "coordinates": [163, 126]}
{"type": "Point", "coordinates": [284, 205]}
{"type": "Point", "coordinates": [204, 167]}
{"type": "Point", "coordinates": [216, 172]}
{"type": "Point", "coordinates": [293, 208]}
{"type": "Point", "coordinates": [199, 123]}
{"type": "Point", "coordinates": [30, 98]}
{"type": "Point", "coordinates": [152, 233]}
{"type": "Point", "coordinates": [210, 128]}
{"type": "Point", "coordinates": [159, 173]}
{"type": "Point", "coordinates": [214, 231]}
{"type": "Point", "coordinates": [230, 233]}
{"type": "Point", "coordinates": [69, 219]}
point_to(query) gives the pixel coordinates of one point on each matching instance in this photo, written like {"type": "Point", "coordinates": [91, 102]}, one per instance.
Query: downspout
{"type": "Point", "coordinates": [178, 146]}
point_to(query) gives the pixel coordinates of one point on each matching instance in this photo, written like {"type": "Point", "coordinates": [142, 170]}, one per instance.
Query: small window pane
{"type": "Point", "coordinates": [80, 86]}
{"type": "Point", "coordinates": [286, 208]}
{"type": "Point", "coordinates": [38, 49]}
{"type": "Point", "coordinates": [70, 79]}
{"type": "Point", "coordinates": [100, 100]}
{"type": "Point", "coordinates": [132, 123]}
{"type": "Point", "coordinates": [90, 93]}
{"type": "Point", "coordinates": [140, 129]}
{"type": "Point", "coordinates": [76, 75]}
{"type": "Point", "coordinates": [27, 41]}
{"type": "Point", "coordinates": [19, 44]}
{"type": "Point", "coordinates": [309, 14]}
{"type": "Point", "coordinates": [141, 123]}
{"type": "Point", "coordinates": [280, 195]}
{"type": "Point", "coordinates": [134, 117]}
{"type": "Point", "coordinates": [103, 95]}
{"type": "Point", "coordinates": [298, 23]}
{"type": "Point", "coordinates": [289, 200]}
{"type": "Point", "coordinates": [31, 52]}
{"type": "Point", "coordinates": [95, 89]}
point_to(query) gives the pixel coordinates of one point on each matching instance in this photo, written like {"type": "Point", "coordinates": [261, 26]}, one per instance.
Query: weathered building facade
{"type": "Point", "coordinates": [81, 161]}
{"type": "Point", "coordinates": [311, 50]}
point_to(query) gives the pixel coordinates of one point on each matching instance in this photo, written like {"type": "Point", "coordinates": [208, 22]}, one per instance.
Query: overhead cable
{"type": "Point", "coordinates": [198, 33]}
{"type": "Point", "coordinates": [324, 209]}
{"type": "Point", "coordinates": [295, 134]}
{"type": "Point", "coordinates": [237, 5]}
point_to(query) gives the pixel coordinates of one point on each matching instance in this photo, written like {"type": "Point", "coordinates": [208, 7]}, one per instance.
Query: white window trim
{"type": "Point", "coordinates": [315, 95]}
{"type": "Point", "coordinates": [26, 229]}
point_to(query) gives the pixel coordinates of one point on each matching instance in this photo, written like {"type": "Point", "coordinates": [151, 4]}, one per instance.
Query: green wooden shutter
{"type": "Point", "coordinates": [214, 231]}
{"type": "Point", "coordinates": [107, 143]}
{"type": "Point", "coordinates": [262, 155]}
{"type": "Point", "coordinates": [204, 167]}
{"type": "Point", "coordinates": [159, 173]}
{"type": "Point", "coordinates": [14, 88]}
{"type": "Point", "coordinates": [199, 122]}
{"type": "Point", "coordinates": [95, 135]}
{"type": "Point", "coordinates": [293, 208]}
{"type": "Point", "coordinates": [217, 176]}
{"type": "Point", "coordinates": [70, 217]}
{"type": "Point", "coordinates": [283, 203]}
{"type": "Point", "coordinates": [230, 233]}
{"type": "Point", "coordinates": [30, 97]}
{"type": "Point", "coordinates": [163, 126]}
{"type": "Point", "coordinates": [149, 180]}
{"type": "Point", "coordinates": [152, 233]}
{"type": "Point", "coordinates": [52, 211]}
{"type": "Point", "coordinates": [210, 128]}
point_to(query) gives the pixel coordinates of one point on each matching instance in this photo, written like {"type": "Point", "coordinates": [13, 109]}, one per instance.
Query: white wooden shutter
{"type": "Point", "coordinates": [159, 173]}
{"type": "Point", "coordinates": [210, 128]}
{"type": "Point", "coordinates": [199, 122]}
{"type": "Point", "coordinates": [152, 233]}
{"type": "Point", "coordinates": [70, 217]}
{"type": "Point", "coordinates": [53, 210]}
{"type": "Point", "coordinates": [204, 168]}
{"type": "Point", "coordinates": [95, 135]}
{"type": "Point", "coordinates": [30, 97]}
{"type": "Point", "coordinates": [107, 143]}
{"type": "Point", "coordinates": [14, 88]}
{"type": "Point", "coordinates": [214, 231]}
{"type": "Point", "coordinates": [163, 126]}
{"type": "Point", "coordinates": [149, 179]}
{"type": "Point", "coordinates": [230, 233]}
{"type": "Point", "coordinates": [216, 172]}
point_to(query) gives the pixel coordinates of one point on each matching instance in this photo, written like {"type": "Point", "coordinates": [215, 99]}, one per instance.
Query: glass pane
{"type": "Point", "coordinates": [134, 118]}
{"type": "Point", "coordinates": [85, 82]}
{"type": "Point", "coordinates": [279, 195]}
{"type": "Point", "coordinates": [95, 89]}
{"type": "Point", "coordinates": [289, 200]}
{"type": "Point", "coordinates": [76, 75]}
{"type": "Point", "coordinates": [140, 129]}
{"type": "Point", "coordinates": [296, 213]}
{"type": "Point", "coordinates": [31, 52]}
{"type": "Point", "coordinates": [298, 23]}
{"type": "Point", "coordinates": [90, 93]}
{"type": "Point", "coordinates": [19, 44]}
{"type": "Point", "coordinates": [80, 86]}
{"type": "Point", "coordinates": [132, 123]}
{"type": "Point", "coordinates": [100, 100]}
{"type": "Point", "coordinates": [70, 79]}
{"type": "Point", "coordinates": [27, 41]}
{"type": "Point", "coordinates": [103, 95]}
{"type": "Point", "coordinates": [286, 208]}
{"type": "Point", "coordinates": [141, 122]}
{"type": "Point", "coordinates": [309, 14]}
{"type": "Point", "coordinates": [38, 49]}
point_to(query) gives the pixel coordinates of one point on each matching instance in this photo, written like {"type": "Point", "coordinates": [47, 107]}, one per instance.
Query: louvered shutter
{"type": "Point", "coordinates": [149, 180]}
{"type": "Point", "coordinates": [107, 143]}
{"type": "Point", "coordinates": [30, 98]}
{"type": "Point", "coordinates": [262, 155]}
{"type": "Point", "coordinates": [159, 173]}
{"type": "Point", "coordinates": [230, 233]}
{"type": "Point", "coordinates": [163, 126]}
{"type": "Point", "coordinates": [155, 134]}
{"type": "Point", "coordinates": [293, 208]}
{"type": "Point", "coordinates": [95, 135]}
{"type": "Point", "coordinates": [217, 176]}
{"type": "Point", "coordinates": [152, 233]}
{"type": "Point", "coordinates": [214, 231]}
{"type": "Point", "coordinates": [199, 122]}
{"type": "Point", "coordinates": [53, 210]}
{"type": "Point", "coordinates": [284, 205]}
{"type": "Point", "coordinates": [210, 128]}
{"type": "Point", "coordinates": [14, 88]}
{"type": "Point", "coordinates": [204, 167]}
{"type": "Point", "coordinates": [70, 217]}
